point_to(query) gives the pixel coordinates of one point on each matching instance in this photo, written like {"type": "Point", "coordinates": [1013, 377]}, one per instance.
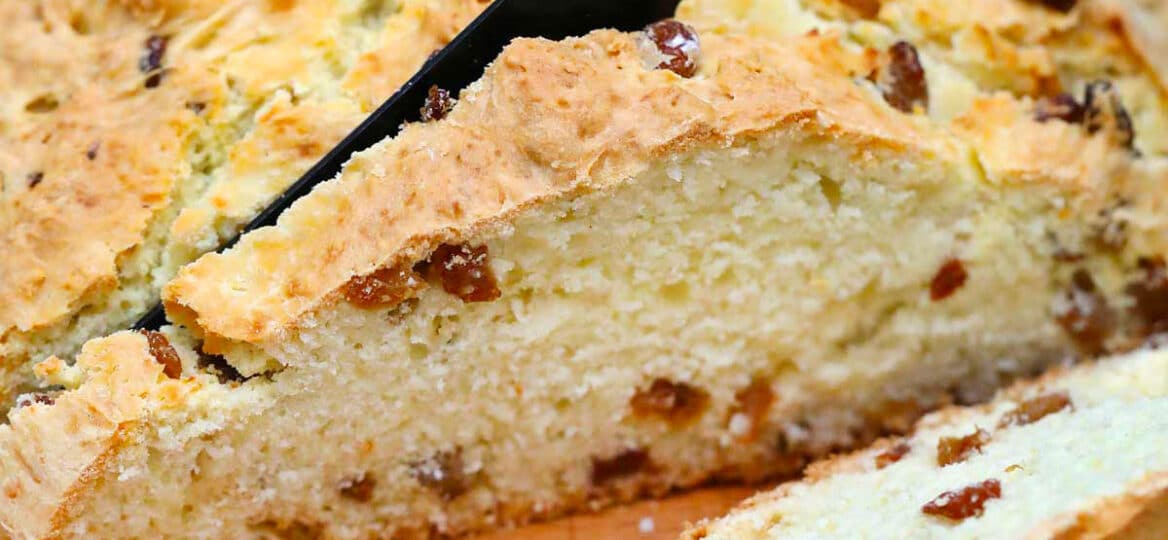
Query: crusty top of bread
{"type": "Point", "coordinates": [550, 119]}
{"type": "Point", "coordinates": [250, 95]}
{"type": "Point", "coordinates": [1103, 397]}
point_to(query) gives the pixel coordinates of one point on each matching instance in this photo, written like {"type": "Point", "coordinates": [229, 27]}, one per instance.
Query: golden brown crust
{"type": "Point", "coordinates": [547, 120]}
{"type": "Point", "coordinates": [49, 453]}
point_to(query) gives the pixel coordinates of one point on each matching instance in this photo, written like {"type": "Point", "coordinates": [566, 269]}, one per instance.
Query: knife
{"type": "Point", "coordinates": [452, 68]}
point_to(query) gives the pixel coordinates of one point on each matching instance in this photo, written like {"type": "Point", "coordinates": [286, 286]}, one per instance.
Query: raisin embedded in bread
{"type": "Point", "coordinates": [1075, 454]}
{"type": "Point", "coordinates": [601, 276]}
{"type": "Point", "coordinates": [135, 136]}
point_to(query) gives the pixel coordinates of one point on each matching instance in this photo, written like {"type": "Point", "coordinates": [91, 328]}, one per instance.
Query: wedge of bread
{"type": "Point", "coordinates": [621, 264]}
{"type": "Point", "coordinates": [135, 136]}
{"type": "Point", "coordinates": [1076, 454]}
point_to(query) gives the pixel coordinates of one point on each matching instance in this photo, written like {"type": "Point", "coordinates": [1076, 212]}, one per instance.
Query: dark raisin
{"type": "Point", "coordinates": [752, 403]}
{"type": "Point", "coordinates": [358, 488]}
{"type": "Point", "coordinates": [950, 277]}
{"type": "Point", "coordinates": [1085, 315]}
{"type": "Point", "coordinates": [151, 60]}
{"type": "Point", "coordinates": [1103, 110]}
{"type": "Point", "coordinates": [1149, 295]}
{"type": "Point", "coordinates": [952, 450]}
{"type": "Point", "coordinates": [676, 403]}
{"type": "Point", "coordinates": [218, 366]}
{"type": "Point", "coordinates": [438, 103]}
{"type": "Point", "coordinates": [1064, 6]}
{"type": "Point", "coordinates": [624, 464]}
{"type": "Point", "coordinates": [91, 152]}
{"type": "Point", "coordinates": [1061, 107]}
{"type": "Point", "coordinates": [893, 454]}
{"type": "Point", "coordinates": [164, 353]}
{"type": "Point", "coordinates": [465, 272]}
{"type": "Point", "coordinates": [24, 400]}
{"type": "Point", "coordinates": [678, 43]}
{"type": "Point", "coordinates": [444, 473]}
{"type": "Point", "coordinates": [35, 178]}
{"type": "Point", "coordinates": [384, 287]}
{"type": "Point", "coordinates": [902, 80]}
{"type": "Point", "coordinates": [1035, 409]}
{"type": "Point", "coordinates": [966, 502]}
{"type": "Point", "coordinates": [196, 107]}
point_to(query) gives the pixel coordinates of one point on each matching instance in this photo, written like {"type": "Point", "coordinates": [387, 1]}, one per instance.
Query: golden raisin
{"type": "Point", "coordinates": [676, 403]}
{"type": "Point", "coordinates": [902, 80]}
{"type": "Point", "coordinates": [385, 287]}
{"type": "Point", "coordinates": [893, 454]}
{"type": "Point", "coordinates": [678, 43]}
{"type": "Point", "coordinates": [955, 449]}
{"type": "Point", "coordinates": [950, 277]}
{"type": "Point", "coordinates": [966, 502]}
{"type": "Point", "coordinates": [164, 353]}
{"type": "Point", "coordinates": [1035, 409]}
{"type": "Point", "coordinates": [444, 473]}
{"type": "Point", "coordinates": [359, 487]}
{"type": "Point", "coordinates": [752, 403]}
{"type": "Point", "coordinates": [465, 272]}
{"type": "Point", "coordinates": [1149, 294]}
{"type": "Point", "coordinates": [626, 463]}
{"type": "Point", "coordinates": [438, 103]}
{"type": "Point", "coordinates": [1084, 314]}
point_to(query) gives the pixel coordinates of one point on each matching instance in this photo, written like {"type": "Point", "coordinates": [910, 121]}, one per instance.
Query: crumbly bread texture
{"type": "Point", "coordinates": [137, 135]}
{"type": "Point", "coordinates": [1085, 458]}
{"type": "Point", "coordinates": [595, 279]}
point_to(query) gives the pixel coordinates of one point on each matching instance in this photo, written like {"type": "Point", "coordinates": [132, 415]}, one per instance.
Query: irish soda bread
{"type": "Point", "coordinates": [623, 263]}
{"type": "Point", "coordinates": [137, 134]}
{"type": "Point", "coordinates": [1074, 456]}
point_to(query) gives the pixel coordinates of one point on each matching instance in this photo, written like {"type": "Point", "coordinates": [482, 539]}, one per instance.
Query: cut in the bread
{"type": "Point", "coordinates": [621, 264]}
{"type": "Point", "coordinates": [1078, 454]}
{"type": "Point", "coordinates": [135, 136]}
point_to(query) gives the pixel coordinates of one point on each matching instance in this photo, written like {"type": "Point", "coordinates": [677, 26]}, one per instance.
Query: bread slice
{"type": "Point", "coordinates": [135, 136]}
{"type": "Point", "coordinates": [596, 278]}
{"type": "Point", "coordinates": [1076, 454]}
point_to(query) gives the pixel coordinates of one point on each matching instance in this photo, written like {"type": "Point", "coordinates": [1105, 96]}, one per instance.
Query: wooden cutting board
{"type": "Point", "coordinates": [649, 520]}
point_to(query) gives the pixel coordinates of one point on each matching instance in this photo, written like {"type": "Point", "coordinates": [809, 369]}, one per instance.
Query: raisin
{"type": "Point", "coordinates": [966, 502]}
{"type": "Point", "coordinates": [196, 107]}
{"type": "Point", "coordinates": [1149, 296]}
{"type": "Point", "coordinates": [444, 473]}
{"type": "Point", "coordinates": [438, 103]}
{"type": "Point", "coordinates": [952, 450]}
{"type": "Point", "coordinates": [46, 103]}
{"type": "Point", "coordinates": [950, 277]}
{"type": "Point", "coordinates": [1035, 409]}
{"type": "Point", "coordinates": [892, 455]}
{"type": "Point", "coordinates": [751, 405]}
{"type": "Point", "coordinates": [1061, 107]}
{"type": "Point", "coordinates": [465, 272]}
{"type": "Point", "coordinates": [385, 287]}
{"type": "Point", "coordinates": [24, 400]}
{"type": "Point", "coordinates": [624, 464]}
{"type": "Point", "coordinates": [164, 353]}
{"type": "Point", "coordinates": [678, 43]}
{"type": "Point", "coordinates": [903, 80]}
{"type": "Point", "coordinates": [150, 62]}
{"type": "Point", "coordinates": [866, 9]}
{"type": "Point", "coordinates": [677, 403]}
{"type": "Point", "coordinates": [1103, 110]}
{"type": "Point", "coordinates": [1064, 6]}
{"type": "Point", "coordinates": [35, 178]}
{"type": "Point", "coordinates": [219, 366]}
{"type": "Point", "coordinates": [1085, 315]}
{"type": "Point", "coordinates": [91, 152]}
{"type": "Point", "coordinates": [358, 488]}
